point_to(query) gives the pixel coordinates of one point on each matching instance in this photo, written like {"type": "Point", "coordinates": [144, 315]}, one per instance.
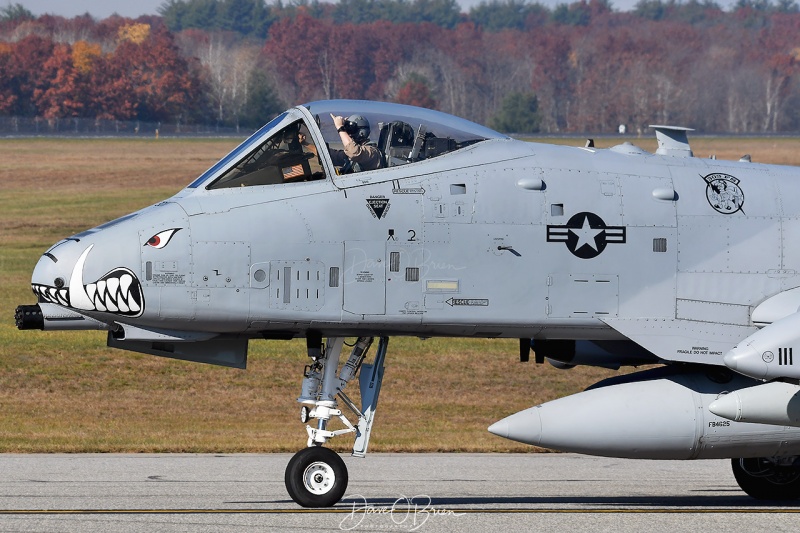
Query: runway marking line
{"type": "Point", "coordinates": [399, 510]}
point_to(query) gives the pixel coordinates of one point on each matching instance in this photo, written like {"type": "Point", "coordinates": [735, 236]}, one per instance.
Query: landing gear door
{"type": "Point", "coordinates": [364, 277]}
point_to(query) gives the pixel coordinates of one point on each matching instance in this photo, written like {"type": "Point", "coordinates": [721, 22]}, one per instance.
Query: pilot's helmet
{"type": "Point", "coordinates": [357, 127]}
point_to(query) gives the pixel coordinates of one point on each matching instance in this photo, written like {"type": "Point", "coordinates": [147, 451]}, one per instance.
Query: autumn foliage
{"type": "Point", "coordinates": [142, 75]}
{"type": "Point", "coordinates": [588, 67]}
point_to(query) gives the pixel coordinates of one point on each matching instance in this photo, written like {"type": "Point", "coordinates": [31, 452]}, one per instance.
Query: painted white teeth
{"type": "Point", "coordinates": [118, 292]}
{"type": "Point", "coordinates": [91, 290]}
{"type": "Point", "coordinates": [51, 294]}
{"type": "Point", "coordinates": [125, 283]}
{"type": "Point", "coordinates": [112, 287]}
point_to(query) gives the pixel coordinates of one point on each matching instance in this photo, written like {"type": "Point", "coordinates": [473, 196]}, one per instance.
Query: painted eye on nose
{"type": "Point", "coordinates": [160, 240]}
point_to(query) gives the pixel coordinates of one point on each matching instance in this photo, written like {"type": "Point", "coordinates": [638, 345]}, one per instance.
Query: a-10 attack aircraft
{"type": "Point", "coordinates": [603, 257]}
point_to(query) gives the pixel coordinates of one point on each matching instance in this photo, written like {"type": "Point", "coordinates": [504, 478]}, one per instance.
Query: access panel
{"type": "Point", "coordinates": [364, 277]}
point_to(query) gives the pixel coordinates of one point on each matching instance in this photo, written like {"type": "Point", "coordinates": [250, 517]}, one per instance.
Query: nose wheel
{"type": "Point", "coordinates": [316, 477]}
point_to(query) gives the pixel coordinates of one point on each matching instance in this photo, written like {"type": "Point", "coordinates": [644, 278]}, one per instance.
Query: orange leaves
{"type": "Point", "coordinates": [60, 97]}
{"type": "Point", "coordinates": [134, 33]}
{"type": "Point", "coordinates": [144, 76]}
{"type": "Point", "coordinates": [83, 55]}
{"type": "Point", "coordinates": [683, 63]}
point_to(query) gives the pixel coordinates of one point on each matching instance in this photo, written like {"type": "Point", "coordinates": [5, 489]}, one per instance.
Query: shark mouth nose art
{"type": "Point", "coordinates": [118, 292]}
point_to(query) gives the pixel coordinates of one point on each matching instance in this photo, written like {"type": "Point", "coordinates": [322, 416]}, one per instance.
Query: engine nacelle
{"type": "Point", "coordinates": [655, 414]}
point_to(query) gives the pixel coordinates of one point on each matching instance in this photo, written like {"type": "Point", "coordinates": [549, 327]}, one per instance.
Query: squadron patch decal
{"type": "Point", "coordinates": [586, 235]}
{"type": "Point", "coordinates": [723, 193]}
{"type": "Point", "coordinates": [378, 206]}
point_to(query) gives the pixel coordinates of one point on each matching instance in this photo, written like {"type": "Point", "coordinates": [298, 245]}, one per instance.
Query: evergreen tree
{"type": "Point", "coordinates": [571, 15]}
{"type": "Point", "coordinates": [787, 6]}
{"type": "Point", "coordinates": [235, 15]}
{"type": "Point", "coordinates": [518, 114]}
{"type": "Point", "coordinates": [251, 18]}
{"type": "Point", "coordinates": [173, 12]}
{"type": "Point", "coordinates": [359, 11]}
{"type": "Point", "coordinates": [499, 15]}
{"type": "Point", "coordinates": [262, 103]}
{"type": "Point", "coordinates": [15, 13]}
{"type": "Point", "coordinates": [650, 9]}
{"type": "Point", "coordinates": [263, 18]}
{"type": "Point", "coordinates": [444, 13]}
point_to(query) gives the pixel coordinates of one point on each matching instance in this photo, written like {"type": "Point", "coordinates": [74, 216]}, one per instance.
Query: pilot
{"type": "Point", "coordinates": [359, 153]}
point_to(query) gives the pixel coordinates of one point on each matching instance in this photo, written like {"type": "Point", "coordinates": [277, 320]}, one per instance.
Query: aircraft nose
{"type": "Point", "coordinates": [89, 274]}
{"type": "Point", "coordinates": [98, 270]}
{"type": "Point", "coordinates": [52, 273]}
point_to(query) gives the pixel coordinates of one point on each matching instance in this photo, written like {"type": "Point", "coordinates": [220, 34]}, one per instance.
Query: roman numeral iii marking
{"type": "Point", "coordinates": [785, 356]}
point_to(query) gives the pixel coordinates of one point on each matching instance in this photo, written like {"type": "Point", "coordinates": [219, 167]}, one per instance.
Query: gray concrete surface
{"type": "Point", "coordinates": [387, 492]}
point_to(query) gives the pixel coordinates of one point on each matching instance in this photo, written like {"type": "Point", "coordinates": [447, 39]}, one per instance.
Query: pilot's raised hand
{"type": "Point", "coordinates": [338, 121]}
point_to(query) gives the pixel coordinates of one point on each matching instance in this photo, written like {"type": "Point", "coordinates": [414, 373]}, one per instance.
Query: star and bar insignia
{"type": "Point", "coordinates": [586, 235]}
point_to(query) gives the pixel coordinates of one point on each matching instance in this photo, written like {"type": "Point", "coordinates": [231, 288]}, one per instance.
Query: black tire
{"type": "Point", "coordinates": [762, 480]}
{"type": "Point", "coordinates": [316, 477]}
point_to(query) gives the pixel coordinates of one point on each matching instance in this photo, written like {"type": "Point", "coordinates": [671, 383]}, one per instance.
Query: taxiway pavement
{"type": "Point", "coordinates": [387, 492]}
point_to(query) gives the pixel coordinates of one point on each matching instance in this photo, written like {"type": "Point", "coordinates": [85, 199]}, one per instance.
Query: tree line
{"type": "Point", "coordinates": [515, 65]}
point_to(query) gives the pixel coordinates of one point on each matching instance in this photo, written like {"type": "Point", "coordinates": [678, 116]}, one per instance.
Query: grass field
{"type": "Point", "coordinates": [68, 392]}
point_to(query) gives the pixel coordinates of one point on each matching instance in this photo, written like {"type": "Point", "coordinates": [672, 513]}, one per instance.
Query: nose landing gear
{"type": "Point", "coordinates": [317, 476]}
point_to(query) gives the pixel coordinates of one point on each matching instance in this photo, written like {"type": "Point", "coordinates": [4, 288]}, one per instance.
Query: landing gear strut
{"type": "Point", "coordinates": [768, 478]}
{"type": "Point", "coordinates": [317, 476]}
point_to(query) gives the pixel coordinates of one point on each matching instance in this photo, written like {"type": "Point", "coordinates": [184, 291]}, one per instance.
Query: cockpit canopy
{"type": "Point", "coordinates": [297, 145]}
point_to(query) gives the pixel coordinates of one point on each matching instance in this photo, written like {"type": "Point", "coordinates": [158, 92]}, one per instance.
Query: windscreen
{"type": "Point", "coordinates": [237, 152]}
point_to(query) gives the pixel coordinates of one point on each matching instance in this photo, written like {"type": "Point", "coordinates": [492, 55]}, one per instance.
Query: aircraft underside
{"type": "Point", "coordinates": [661, 413]}
{"type": "Point", "coordinates": [676, 411]}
